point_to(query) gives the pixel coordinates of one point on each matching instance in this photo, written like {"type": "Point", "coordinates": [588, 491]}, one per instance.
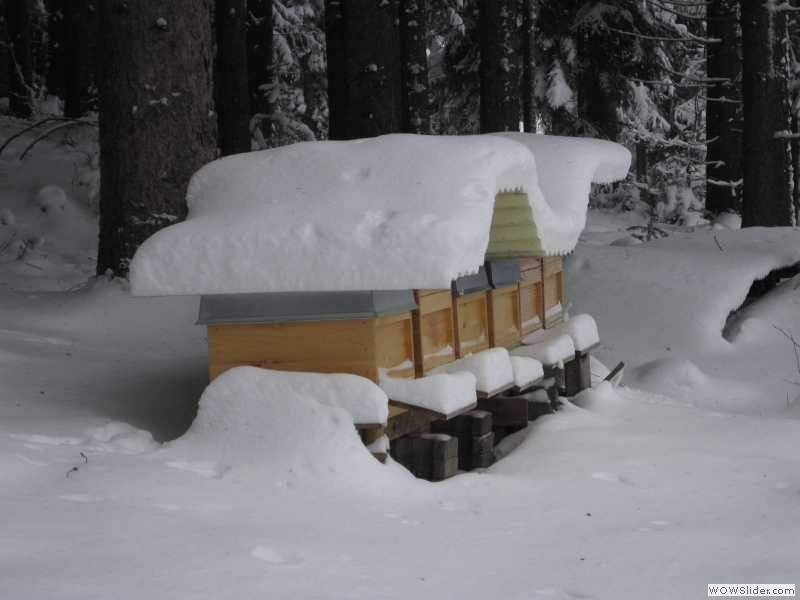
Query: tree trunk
{"type": "Point", "coordinates": [499, 66]}
{"type": "Point", "coordinates": [79, 29]}
{"type": "Point", "coordinates": [259, 64]}
{"type": "Point", "coordinates": [232, 83]}
{"type": "Point", "coordinates": [767, 198]}
{"type": "Point", "coordinates": [56, 63]}
{"type": "Point", "coordinates": [19, 28]}
{"type": "Point", "coordinates": [597, 102]}
{"type": "Point", "coordinates": [156, 118]}
{"type": "Point", "coordinates": [364, 68]}
{"type": "Point", "coordinates": [416, 90]}
{"type": "Point", "coordinates": [723, 112]}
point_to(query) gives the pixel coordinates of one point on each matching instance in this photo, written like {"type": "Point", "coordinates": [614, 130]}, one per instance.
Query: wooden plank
{"type": "Point", "coordinates": [403, 421]}
{"type": "Point", "coordinates": [531, 306]}
{"type": "Point", "coordinates": [394, 345]}
{"type": "Point", "coordinates": [504, 317]}
{"type": "Point", "coordinates": [471, 313]}
{"type": "Point", "coordinates": [345, 346]}
{"type": "Point", "coordinates": [521, 389]}
{"type": "Point", "coordinates": [496, 392]}
{"type": "Point", "coordinates": [434, 336]}
{"type": "Point", "coordinates": [437, 416]}
{"type": "Point", "coordinates": [552, 265]}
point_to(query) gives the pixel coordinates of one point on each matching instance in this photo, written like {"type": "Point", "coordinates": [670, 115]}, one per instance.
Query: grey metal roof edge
{"type": "Point", "coordinates": [285, 307]}
{"type": "Point", "coordinates": [469, 284]}
{"type": "Point", "coordinates": [503, 272]}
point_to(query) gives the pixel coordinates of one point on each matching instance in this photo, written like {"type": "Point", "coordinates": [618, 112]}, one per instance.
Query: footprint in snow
{"type": "Point", "coordinates": [611, 477]}
{"type": "Point", "coordinates": [271, 556]}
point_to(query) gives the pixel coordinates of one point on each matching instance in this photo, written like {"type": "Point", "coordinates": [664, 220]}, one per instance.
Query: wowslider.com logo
{"type": "Point", "coordinates": [751, 590]}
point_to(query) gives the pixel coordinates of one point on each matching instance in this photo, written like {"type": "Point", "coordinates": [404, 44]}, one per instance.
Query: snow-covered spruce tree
{"type": "Point", "coordinates": [157, 124]}
{"type": "Point", "coordinates": [364, 70]}
{"type": "Point", "coordinates": [767, 194]}
{"type": "Point", "coordinates": [231, 81]}
{"type": "Point", "coordinates": [724, 109]}
{"type": "Point", "coordinates": [260, 33]}
{"type": "Point", "coordinates": [500, 65]}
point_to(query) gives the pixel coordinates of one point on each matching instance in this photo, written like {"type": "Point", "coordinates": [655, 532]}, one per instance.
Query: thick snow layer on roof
{"type": "Point", "coordinates": [526, 370]}
{"type": "Point", "coordinates": [393, 212]}
{"type": "Point", "coordinates": [567, 167]}
{"type": "Point", "coordinates": [551, 349]}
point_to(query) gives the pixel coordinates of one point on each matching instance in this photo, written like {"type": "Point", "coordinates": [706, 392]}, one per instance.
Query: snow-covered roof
{"type": "Point", "coordinates": [392, 212]}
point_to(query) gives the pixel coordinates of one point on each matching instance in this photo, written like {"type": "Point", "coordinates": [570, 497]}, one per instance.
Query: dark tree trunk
{"type": "Point", "coordinates": [767, 198]}
{"type": "Point", "coordinates": [597, 102]}
{"type": "Point", "coordinates": [338, 97]}
{"type": "Point", "coordinates": [364, 68]}
{"type": "Point", "coordinates": [232, 83]}
{"type": "Point", "coordinates": [500, 65]}
{"type": "Point", "coordinates": [527, 91]}
{"type": "Point", "coordinates": [259, 64]}
{"type": "Point", "coordinates": [723, 111]}
{"type": "Point", "coordinates": [79, 29]}
{"type": "Point", "coordinates": [19, 27]}
{"type": "Point", "coordinates": [156, 118]}
{"type": "Point", "coordinates": [56, 63]}
{"type": "Point", "coordinates": [416, 90]}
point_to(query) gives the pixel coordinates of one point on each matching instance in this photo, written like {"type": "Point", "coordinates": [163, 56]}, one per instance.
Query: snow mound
{"type": "Point", "coordinates": [548, 347]}
{"type": "Point", "coordinates": [526, 370]}
{"type": "Point", "coordinates": [728, 220]}
{"type": "Point", "coordinates": [582, 329]}
{"type": "Point", "coordinates": [492, 369]}
{"type": "Point", "coordinates": [118, 436]}
{"type": "Point", "coordinates": [392, 212]}
{"type": "Point", "coordinates": [602, 396]}
{"type": "Point", "coordinates": [275, 421]}
{"type": "Point", "coordinates": [566, 168]}
{"type": "Point", "coordinates": [443, 393]}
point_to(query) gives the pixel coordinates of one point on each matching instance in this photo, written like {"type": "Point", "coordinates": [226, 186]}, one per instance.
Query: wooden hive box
{"type": "Point", "coordinates": [504, 303]}
{"type": "Point", "coordinates": [364, 333]}
{"type": "Point", "coordinates": [553, 283]}
{"type": "Point", "coordinates": [471, 313]}
{"type": "Point", "coordinates": [531, 295]}
{"type": "Point", "coordinates": [434, 335]}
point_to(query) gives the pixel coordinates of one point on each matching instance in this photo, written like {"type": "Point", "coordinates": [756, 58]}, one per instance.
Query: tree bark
{"type": "Point", "coordinates": [79, 29]}
{"type": "Point", "coordinates": [19, 28]}
{"type": "Point", "coordinates": [232, 77]}
{"type": "Point", "coordinates": [597, 101]}
{"type": "Point", "coordinates": [767, 198]}
{"type": "Point", "coordinates": [416, 90]}
{"type": "Point", "coordinates": [723, 112]}
{"type": "Point", "coordinates": [499, 66]}
{"type": "Point", "coordinates": [260, 63]}
{"type": "Point", "coordinates": [156, 118]}
{"type": "Point", "coordinates": [364, 68]}
{"type": "Point", "coordinates": [56, 63]}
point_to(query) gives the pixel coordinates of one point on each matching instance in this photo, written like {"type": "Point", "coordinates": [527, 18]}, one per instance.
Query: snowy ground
{"type": "Point", "coordinates": [632, 494]}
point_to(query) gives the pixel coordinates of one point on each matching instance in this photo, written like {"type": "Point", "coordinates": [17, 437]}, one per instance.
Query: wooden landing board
{"type": "Point", "coordinates": [493, 393]}
{"type": "Point", "coordinates": [521, 389]}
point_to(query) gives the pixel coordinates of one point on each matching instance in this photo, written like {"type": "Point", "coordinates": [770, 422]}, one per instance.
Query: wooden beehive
{"type": "Point", "coordinates": [503, 300]}
{"type": "Point", "coordinates": [553, 285]}
{"type": "Point", "coordinates": [531, 295]}
{"type": "Point", "coordinates": [471, 319]}
{"type": "Point", "coordinates": [434, 335]}
{"type": "Point", "coordinates": [347, 339]}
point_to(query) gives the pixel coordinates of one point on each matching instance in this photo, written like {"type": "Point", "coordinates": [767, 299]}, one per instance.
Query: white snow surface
{"type": "Point", "coordinates": [582, 329]}
{"type": "Point", "coordinates": [492, 369]}
{"type": "Point", "coordinates": [442, 393]}
{"type": "Point", "coordinates": [392, 212]}
{"type": "Point", "coordinates": [526, 370]}
{"type": "Point", "coordinates": [548, 346]}
{"type": "Point", "coordinates": [639, 494]}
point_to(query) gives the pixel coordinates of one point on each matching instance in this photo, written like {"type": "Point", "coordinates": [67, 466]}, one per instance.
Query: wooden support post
{"type": "Point", "coordinates": [577, 374]}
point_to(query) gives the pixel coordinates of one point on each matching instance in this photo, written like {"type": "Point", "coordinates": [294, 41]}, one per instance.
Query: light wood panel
{"type": "Point", "coordinates": [531, 306]}
{"type": "Point", "coordinates": [553, 281]}
{"type": "Point", "coordinates": [434, 337]}
{"type": "Point", "coordinates": [394, 346]}
{"type": "Point", "coordinates": [504, 317]}
{"type": "Point", "coordinates": [471, 323]}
